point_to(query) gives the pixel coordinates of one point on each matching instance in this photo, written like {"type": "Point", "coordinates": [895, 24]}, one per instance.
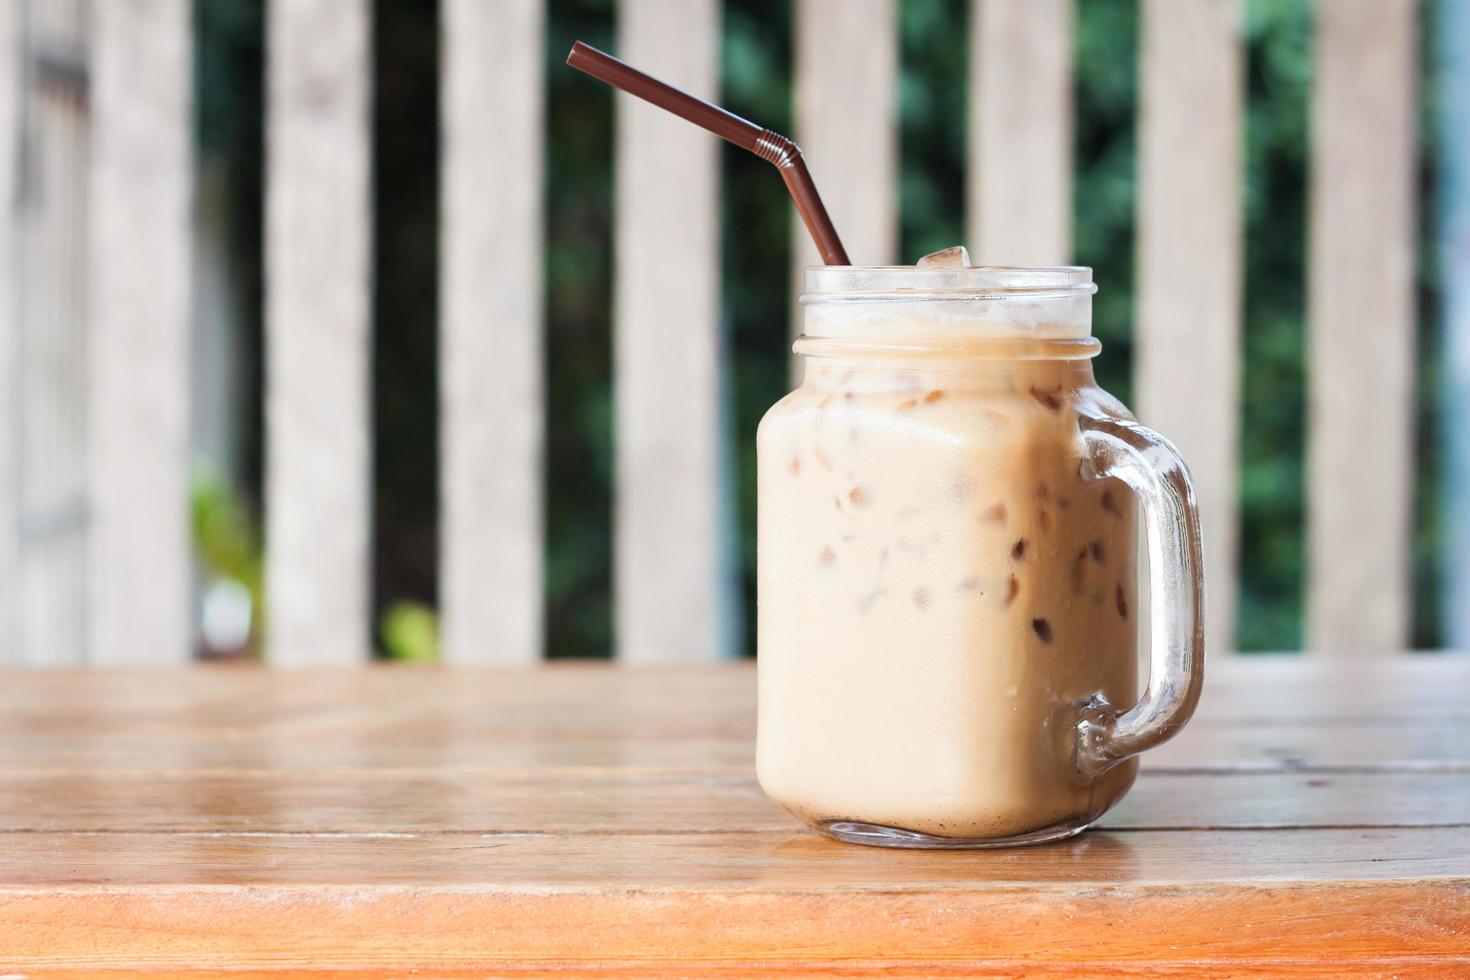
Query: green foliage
{"type": "Point", "coordinates": [1430, 519]}
{"type": "Point", "coordinates": [1273, 423]}
{"type": "Point", "coordinates": [226, 536]}
{"type": "Point", "coordinates": [405, 303]}
{"type": "Point", "coordinates": [756, 227]}
{"type": "Point", "coordinates": [409, 632]}
{"type": "Point", "coordinates": [229, 65]}
{"type": "Point", "coordinates": [579, 449]}
{"type": "Point", "coordinates": [932, 113]}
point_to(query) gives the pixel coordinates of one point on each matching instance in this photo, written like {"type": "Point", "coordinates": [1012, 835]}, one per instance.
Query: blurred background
{"type": "Point", "coordinates": [57, 319]}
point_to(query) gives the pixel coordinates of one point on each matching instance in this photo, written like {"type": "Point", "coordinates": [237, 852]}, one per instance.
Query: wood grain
{"type": "Point", "coordinates": [1436, 968]}
{"type": "Point", "coordinates": [1247, 689]}
{"type": "Point", "coordinates": [608, 801]}
{"type": "Point", "coordinates": [492, 402]}
{"type": "Point", "coordinates": [1189, 263]}
{"type": "Point", "coordinates": [1360, 447]}
{"type": "Point", "coordinates": [141, 192]}
{"type": "Point", "coordinates": [601, 820]}
{"type": "Point", "coordinates": [723, 897]}
{"type": "Point", "coordinates": [468, 749]}
{"type": "Point", "coordinates": [789, 861]}
{"type": "Point", "coordinates": [318, 269]}
{"type": "Point", "coordinates": [669, 567]}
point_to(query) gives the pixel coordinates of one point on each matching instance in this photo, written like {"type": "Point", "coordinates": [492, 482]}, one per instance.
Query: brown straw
{"type": "Point", "coordinates": [771, 147]}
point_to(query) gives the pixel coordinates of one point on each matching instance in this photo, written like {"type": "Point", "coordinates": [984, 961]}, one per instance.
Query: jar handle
{"type": "Point", "coordinates": [1150, 465]}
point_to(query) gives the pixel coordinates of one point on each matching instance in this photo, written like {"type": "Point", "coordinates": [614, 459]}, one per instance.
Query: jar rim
{"type": "Point", "coordinates": [985, 349]}
{"type": "Point", "coordinates": [908, 283]}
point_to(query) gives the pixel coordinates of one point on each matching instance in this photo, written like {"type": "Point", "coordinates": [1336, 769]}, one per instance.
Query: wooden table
{"type": "Point", "coordinates": [1314, 819]}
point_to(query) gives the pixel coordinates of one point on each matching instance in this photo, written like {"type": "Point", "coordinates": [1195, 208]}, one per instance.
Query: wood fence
{"type": "Point", "coordinates": [97, 167]}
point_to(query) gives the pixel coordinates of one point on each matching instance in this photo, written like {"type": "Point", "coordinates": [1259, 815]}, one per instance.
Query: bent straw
{"type": "Point", "coordinates": [769, 146]}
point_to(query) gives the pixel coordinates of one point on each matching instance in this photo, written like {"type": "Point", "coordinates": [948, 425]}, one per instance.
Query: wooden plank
{"type": "Point", "coordinates": [846, 102]}
{"type": "Point", "coordinates": [141, 191]}
{"type": "Point", "coordinates": [1364, 747]}
{"type": "Point", "coordinates": [318, 283]}
{"type": "Point", "coordinates": [511, 748]}
{"type": "Point", "coordinates": [1258, 714]}
{"type": "Point", "coordinates": [1420, 968]}
{"type": "Point", "coordinates": [377, 753]}
{"type": "Point", "coordinates": [1019, 183]}
{"type": "Point", "coordinates": [577, 699]}
{"type": "Point", "coordinates": [11, 61]}
{"type": "Point", "coordinates": [1189, 264]}
{"type": "Point", "coordinates": [787, 862]}
{"type": "Point", "coordinates": [492, 403]}
{"type": "Point", "coordinates": [1452, 80]}
{"type": "Point", "coordinates": [126, 899]}
{"type": "Point", "coordinates": [267, 863]}
{"type": "Point", "coordinates": [669, 567]}
{"type": "Point", "coordinates": [1360, 459]}
{"type": "Point", "coordinates": [439, 801]}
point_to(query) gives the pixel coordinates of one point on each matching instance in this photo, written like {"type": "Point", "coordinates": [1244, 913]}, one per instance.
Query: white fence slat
{"type": "Point", "coordinates": [142, 161]}
{"type": "Point", "coordinates": [490, 341]}
{"type": "Point", "coordinates": [1361, 315]}
{"type": "Point", "coordinates": [1454, 263]}
{"type": "Point", "coordinates": [52, 494]}
{"type": "Point", "coordinates": [10, 90]}
{"type": "Point", "coordinates": [318, 273]}
{"type": "Point", "coordinates": [1019, 183]}
{"type": "Point", "coordinates": [847, 125]}
{"type": "Point", "coordinates": [1189, 263]}
{"type": "Point", "coordinates": [668, 569]}
{"type": "Point", "coordinates": [846, 101]}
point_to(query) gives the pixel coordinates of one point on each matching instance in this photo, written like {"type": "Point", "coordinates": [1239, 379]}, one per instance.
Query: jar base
{"type": "Point", "coordinates": [876, 835]}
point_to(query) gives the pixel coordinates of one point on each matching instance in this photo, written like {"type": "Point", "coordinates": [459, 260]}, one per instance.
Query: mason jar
{"type": "Point", "coordinates": [948, 573]}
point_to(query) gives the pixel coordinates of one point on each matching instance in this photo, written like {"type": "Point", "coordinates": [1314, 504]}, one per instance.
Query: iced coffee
{"type": "Point", "coordinates": [947, 586]}
{"type": "Point", "coordinates": [948, 582]}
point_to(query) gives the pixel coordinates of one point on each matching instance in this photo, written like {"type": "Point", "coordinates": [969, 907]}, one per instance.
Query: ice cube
{"type": "Point", "coordinates": [954, 257]}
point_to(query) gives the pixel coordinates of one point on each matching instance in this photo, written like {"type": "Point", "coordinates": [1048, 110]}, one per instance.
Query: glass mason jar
{"type": "Point", "coordinates": [948, 581]}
